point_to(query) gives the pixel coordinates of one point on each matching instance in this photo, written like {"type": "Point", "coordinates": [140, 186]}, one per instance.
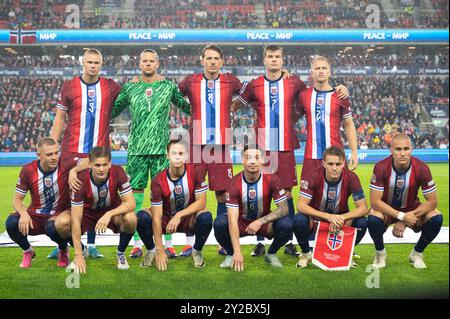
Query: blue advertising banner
{"type": "Point", "coordinates": [364, 156]}
{"type": "Point", "coordinates": [184, 36]}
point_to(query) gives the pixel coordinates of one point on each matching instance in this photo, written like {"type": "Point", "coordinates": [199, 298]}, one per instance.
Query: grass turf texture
{"type": "Point", "coordinates": [182, 280]}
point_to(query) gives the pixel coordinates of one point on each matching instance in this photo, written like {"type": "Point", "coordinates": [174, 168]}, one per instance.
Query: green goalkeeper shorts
{"type": "Point", "coordinates": [138, 168]}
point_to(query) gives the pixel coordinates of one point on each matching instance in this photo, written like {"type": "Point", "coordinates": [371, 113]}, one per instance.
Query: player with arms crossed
{"type": "Point", "coordinates": [149, 102]}
{"type": "Point", "coordinates": [249, 197]}
{"type": "Point", "coordinates": [274, 98]}
{"type": "Point", "coordinates": [324, 194]}
{"type": "Point", "coordinates": [104, 201]}
{"type": "Point", "coordinates": [393, 196]}
{"type": "Point", "coordinates": [210, 95]}
{"type": "Point", "coordinates": [86, 102]}
{"type": "Point", "coordinates": [178, 205]}
{"type": "Point", "coordinates": [49, 211]}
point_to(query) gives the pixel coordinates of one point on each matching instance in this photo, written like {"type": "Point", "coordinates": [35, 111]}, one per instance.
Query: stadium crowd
{"type": "Point", "coordinates": [382, 105]}
{"type": "Point", "coordinates": [226, 14]}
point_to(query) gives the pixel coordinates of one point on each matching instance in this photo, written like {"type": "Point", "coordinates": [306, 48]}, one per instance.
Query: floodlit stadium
{"type": "Point", "coordinates": [391, 55]}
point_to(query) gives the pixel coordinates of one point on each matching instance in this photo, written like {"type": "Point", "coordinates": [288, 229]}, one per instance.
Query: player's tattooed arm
{"type": "Point", "coordinates": [281, 211]}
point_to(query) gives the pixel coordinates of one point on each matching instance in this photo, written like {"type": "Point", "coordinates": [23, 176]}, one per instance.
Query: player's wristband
{"type": "Point", "coordinates": [400, 216]}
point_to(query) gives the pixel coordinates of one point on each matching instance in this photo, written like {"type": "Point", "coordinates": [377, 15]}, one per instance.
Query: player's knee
{"type": "Point", "coordinates": [360, 223]}
{"type": "Point", "coordinates": [436, 221]}
{"type": "Point", "coordinates": [373, 212]}
{"type": "Point", "coordinates": [283, 225]}
{"type": "Point", "coordinates": [300, 221]}
{"type": "Point", "coordinates": [374, 223]}
{"type": "Point", "coordinates": [143, 219]}
{"type": "Point", "coordinates": [221, 196]}
{"type": "Point", "coordinates": [50, 229]}
{"type": "Point", "coordinates": [204, 218]}
{"type": "Point", "coordinates": [130, 221]}
{"type": "Point", "coordinates": [62, 223]}
{"type": "Point", "coordinates": [12, 223]}
{"type": "Point", "coordinates": [221, 224]}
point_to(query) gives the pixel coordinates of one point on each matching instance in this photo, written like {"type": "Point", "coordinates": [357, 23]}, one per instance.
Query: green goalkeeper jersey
{"type": "Point", "coordinates": [149, 105]}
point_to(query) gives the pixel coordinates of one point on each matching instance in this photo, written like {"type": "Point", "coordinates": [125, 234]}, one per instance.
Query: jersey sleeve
{"type": "Point", "coordinates": [247, 94]}
{"type": "Point", "coordinates": [307, 186]}
{"type": "Point", "coordinates": [355, 187]}
{"type": "Point", "coordinates": [426, 180]}
{"type": "Point", "coordinates": [200, 184]}
{"type": "Point", "coordinates": [123, 182]}
{"type": "Point", "coordinates": [232, 196]}
{"type": "Point", "coordinates": [122, 101]}
{"type": "Point", "coordinates": [378, 177]}
{"type": "Point", "coordinates": [236, 84]}
{"type": "Point", "coordinates": [156, 197]}
{"type": "Point", "coordinates": [180, 101]}
{"type": "Point", "coordinates": [23, 184]}
{"type": "Point", "coordinates": [64, 101]}
{"type": "Point", "coordinates": [278, 192]}
{"type": "Point", "coordinates": [299, 109]}
{"type": "Point", "coordinates": [77, 197]}
{"type": "Point", "coordinates": [115, 89]}
{"type": "Point", "coordinates": [344, 106]}
{"type": "Point", "coordinates": [183, 85]}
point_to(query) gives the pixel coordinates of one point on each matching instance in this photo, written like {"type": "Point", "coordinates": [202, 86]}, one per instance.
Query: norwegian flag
{"type": "Point", "coordinates": [22, 36]}
{"type": "Point", "coordinates": [334, 250]}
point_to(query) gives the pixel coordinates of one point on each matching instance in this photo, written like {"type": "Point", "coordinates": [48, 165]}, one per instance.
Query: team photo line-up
{"type": "Point", "coordinates": [76, 189]}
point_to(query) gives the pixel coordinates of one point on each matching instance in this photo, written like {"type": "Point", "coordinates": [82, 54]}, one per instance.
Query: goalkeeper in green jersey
{"type": "Point", "coordinates": [149, 102]}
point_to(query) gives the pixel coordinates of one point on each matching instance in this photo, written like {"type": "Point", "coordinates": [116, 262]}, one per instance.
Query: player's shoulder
{"type": "Point", "coordinates": [350, 174]}
{"type": "Point", "coordinates": [306, 92]}
{"type": "Point", "coordinates": [236, 179]}
{"type": "Point", "coordinates": [315, 174]}
{"type": "Point", "coordinates": [421, 165]}
{"type": "Point", "coordinates": [70, 83]}
{"type": "Point", "coordinates": [384, 162]}
{"type": "Point", "coordinates": [159, 176]}
{"type": "Point", "coordinates": [109, 81]}
{"type": "Point", "coordinates": [228, 77]}
{"type": "Point", "coordinates": [30, 166]}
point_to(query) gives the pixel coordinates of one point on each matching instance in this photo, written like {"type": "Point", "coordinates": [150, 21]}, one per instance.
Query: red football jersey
{"type": "Point", "coordinates": [400, 189]}
{"type": "Point", "coordinates": [49, 190]}
{"type": "Point", "coordinates": [324, 113]}
{"type": "Point", "coordinates": [210, 101]}
{"type": "Point", "coordinates": [254, 199]}
{"type": "Point", "coordinates": [274, 103]}
{"type": "Point", "coordinates": [103, 197]}
{"type": "Point", "coordinates": [328, 197]}
{"type": "Point", "coordinates": [88, 107]}
{"type": "Point", "coordinates": [176, 195]}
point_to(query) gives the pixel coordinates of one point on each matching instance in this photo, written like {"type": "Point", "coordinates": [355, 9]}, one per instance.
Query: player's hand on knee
{"type": "Point", "coordinates": [336, 221]}
{"type": "Point", "coordinates": [399, 229]}
{"type": "Point", "coordinates": [238, 262]}
{"type": "Point", "coordinates": [25, 223]}
{"type": "Point", "coordinates": [254, 227]}
{"type": "Point", "coordinates": [173, 225]}
{"type": "Point", "coordinates": [103, 223]}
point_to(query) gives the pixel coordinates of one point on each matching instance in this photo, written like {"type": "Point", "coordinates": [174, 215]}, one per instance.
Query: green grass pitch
{"type": "Point", "coordinates": [182, 280]}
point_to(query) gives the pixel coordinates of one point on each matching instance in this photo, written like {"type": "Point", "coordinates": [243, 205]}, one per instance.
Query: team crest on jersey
{"type": "Point", "coordinates": [273, 90]}
{"type": "Point", "coordinates": [331, 194]}
{"type": "Point", "coordinates": [91, 93]}
{"type": "Point", "coordinates": [178, 189]}
{"type": "Point", "coordinates": [149, 92]}
{"type": "Point", "coordinates": [400, 183]}
{"type": "Point", "coordinates": [48, 181]}
{"type": "Point", "coordinates": [210, 84]}
{"type": "Point", "coordinates": [334, 240]}
{"type": "Point", "coordinates": [252, 194]}
{"type": "Point", "coordinates": [102, 193]}
{"type": "Point", "coordinates": [320, 101]}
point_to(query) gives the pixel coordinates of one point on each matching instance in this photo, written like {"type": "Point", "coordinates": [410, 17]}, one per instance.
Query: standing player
{"type": "Point", "coordinates": [149, 101]}
{"type": "Point", "coordinates": [86, 102]}
{"type": "Point", "coordinates": [210, 95]}
{"type": "Point", "coordinates": [393, 196]}
{"type": "Point", "coordinates": [104, 201]}
{"type": "Point", "coordinates": [178, 205]}
{"type": "Point", "coordinates": [324, 194]}
{"type": "Point", "coordinates": [249, 197]}
{"type": "Point", "coordinates": [275, 98]}
{"type": "Point", "coordinates": [324, 112]}
{"type": "Point", "coordinates": [49, 211]}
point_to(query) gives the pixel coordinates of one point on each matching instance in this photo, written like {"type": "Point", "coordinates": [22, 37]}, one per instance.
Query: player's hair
{"type": "Point", "coordinates": [252, 146]}
{"type": "Point", "coordinates": [100, 152]}
{"type": "Point", "coordinates": [213, 48]}
{"type": "Point", "coordinates": [93, 51]}
{"type": "Point", "coordinates": [272, 48]}
{"type": "Point", "coordinates": [319, 58]}
{"type": "Point", "coordinates": [399, 136]}
{"type": "Point", "coordinates": [150, 51]}
{"type": "Point", "coordinates": [177, 140]}
{"type": "Point", "coordinates": [334, 150]}
{"type": "Point", "coordinates": [46, 141]}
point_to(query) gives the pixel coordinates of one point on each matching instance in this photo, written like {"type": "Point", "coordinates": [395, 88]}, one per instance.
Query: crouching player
{"type": "Point", "coordinates": [105, 201]}
{"type": "Point", "coordinates": [49, 212]}
{"type": "Point", "coordinates": [249, 197]}
{"type": "Point", "coordinates": [324, 194]}
{"type": "Point", "coordinates": [393, 197]}
{"type": "Point", "coordinates": [178, 199]}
